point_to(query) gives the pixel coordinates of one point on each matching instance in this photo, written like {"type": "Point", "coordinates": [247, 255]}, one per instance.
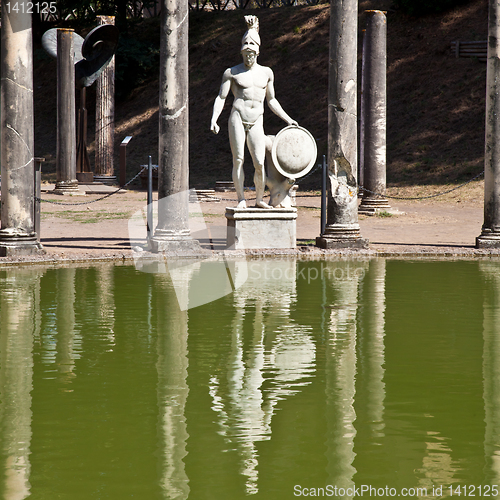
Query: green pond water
{"type": "Point", "coordinates": [308, 379]}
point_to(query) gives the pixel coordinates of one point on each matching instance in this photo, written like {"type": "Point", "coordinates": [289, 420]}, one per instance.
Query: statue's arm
{"type": "Point", "coordinates": [273, 103]}
{"type": "Point", "coordinates": [220, 100]}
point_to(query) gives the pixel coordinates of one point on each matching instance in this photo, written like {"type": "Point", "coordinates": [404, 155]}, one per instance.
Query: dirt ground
{"type": "Point", "coordinates": [82, 229]}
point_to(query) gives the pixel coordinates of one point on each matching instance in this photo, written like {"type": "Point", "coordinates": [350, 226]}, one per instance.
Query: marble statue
{"type": "Point", "coordinates": [250, 84]}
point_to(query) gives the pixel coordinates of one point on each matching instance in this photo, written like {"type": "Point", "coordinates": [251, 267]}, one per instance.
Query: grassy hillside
{"type": "Point", "coordinates": [435, 102]}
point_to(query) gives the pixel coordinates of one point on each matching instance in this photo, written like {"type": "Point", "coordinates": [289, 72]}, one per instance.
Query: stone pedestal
{"type": "Point", "coordinates": [258, 228]}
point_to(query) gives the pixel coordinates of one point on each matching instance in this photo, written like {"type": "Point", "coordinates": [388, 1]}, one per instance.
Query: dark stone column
{"type": "Point", "coordinates": [342, 228]}
{"type": "Point", "coordinates": [105, 119]}
{"type": "Point", "coordinates": [374, 91]}
{"type": "Point", "coordinates": [66, 182]}
{"type": "Point", "coordinates": [172, 232]}
{"type": "Point", "coordinates": [490, 234]}
{"type": "Point", "coordinates": [17, 235]}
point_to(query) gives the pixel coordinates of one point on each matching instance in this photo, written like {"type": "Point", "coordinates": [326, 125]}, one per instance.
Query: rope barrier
{"type": "Point", "coordinates": [361, 188]}
{"type": "Point", "coordinates": [92, 201]}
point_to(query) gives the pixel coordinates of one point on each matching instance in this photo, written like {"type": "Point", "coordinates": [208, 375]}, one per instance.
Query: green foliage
{"type": "Point", "coordinates": [136, 62]}
{"type": "Point", "coordinates": [424, 7]}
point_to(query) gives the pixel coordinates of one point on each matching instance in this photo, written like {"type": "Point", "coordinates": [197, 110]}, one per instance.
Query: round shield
{"type": "Point", "coordinates": [294, 152]}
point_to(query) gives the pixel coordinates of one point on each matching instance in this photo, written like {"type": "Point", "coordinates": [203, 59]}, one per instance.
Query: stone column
{"type": "Point", "coordinates": [342, 228]}
{"type": "Point", "coordinates": [490, 234]}
{"type": "Point", "coordinates": [374, 91]}
{"type": "Point", "coordinates": [66, 182]}
{"type": "Point", "coordinates": [172, 232]}
{"type": "Point", "coordinates": [105, 119]}
{"type": "Point", "coordinates": [17, 235]}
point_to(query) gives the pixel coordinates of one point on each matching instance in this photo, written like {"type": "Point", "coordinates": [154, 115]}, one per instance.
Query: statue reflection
{"type": "Point", "coordinates": [277, 350]}
{"type": "Point", "coordinates": [19, 323]}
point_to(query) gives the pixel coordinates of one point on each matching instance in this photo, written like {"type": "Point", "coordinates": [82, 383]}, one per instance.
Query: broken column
{"type": "Point", "coordinates": [342, 228]}
{"type": "Point", "coordinates": [105, 119]}
{"type": "Point", "coordinates": [66, 182]}
{"type": "Point", "coordinates": [374, 113]}
{"type": "Point", "coordinates": [17, 235]}
{"type": "Point", "coordinates": [490, 234]}
{"type": "Point", "coordinates": [172, 232]}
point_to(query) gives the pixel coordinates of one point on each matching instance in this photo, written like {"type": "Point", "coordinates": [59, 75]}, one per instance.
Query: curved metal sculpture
{"type": "Point", "coordinates": [92, 54]}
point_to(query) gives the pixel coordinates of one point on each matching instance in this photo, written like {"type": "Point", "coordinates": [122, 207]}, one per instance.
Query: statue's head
{"type": "Point", "coordinates": [251, 39]}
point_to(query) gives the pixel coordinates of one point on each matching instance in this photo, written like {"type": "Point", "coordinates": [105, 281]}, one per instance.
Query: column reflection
{"type": "Point", "coordinates": [491, 371]}
{"type": "Point", "coordinates": [19, 323]}
{"type": "Point", "coordinates": [172, 389]}
{"type": "Point", "coordinates": [341, 359]}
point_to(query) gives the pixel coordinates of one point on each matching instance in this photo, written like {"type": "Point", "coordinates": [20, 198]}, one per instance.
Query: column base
{"type": "Point", "coordinates": [15, 244]}
{"type": "Point", "coordinates": [68, 188]}
{"type": "Point", "coordinates": [488, 239]}
{"type": "Point", "coordinates": [371, 205]}
{"type": "Point", "coordinates": [108, 180]}
{"type": "Point", "coordinates": [338, 236]}
{"type": "Point", "coordinates": [178, 243]}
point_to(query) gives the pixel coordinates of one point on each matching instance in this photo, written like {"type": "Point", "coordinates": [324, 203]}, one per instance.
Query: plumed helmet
{"type": "Point", "coordinates": [251, 39]}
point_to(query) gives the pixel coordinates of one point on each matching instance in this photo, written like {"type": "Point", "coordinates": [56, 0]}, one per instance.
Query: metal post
{"type": "Point", "coordinates": [38, 194]}
{"type": "Point", "coordinates": [342, 228]}
{"type": "Point", "coordinates": [150, 200]}
{"type": "Point", "coordinates": [172, 232]}
{"type": "Point", "coordinates": [324, 175]}
{"type": "Point", "coordinates": [83, 173]}
{"type": "Point", "coordinates": [123, 160]}
{"type": "Point", "coordinates": [374, 113]}
{"type": "Point", "coordinates": [17, 235]}
{"type": "Point", "coordinates": [490, 234]}
{"type": "Point", "coordinates": [66, 182]}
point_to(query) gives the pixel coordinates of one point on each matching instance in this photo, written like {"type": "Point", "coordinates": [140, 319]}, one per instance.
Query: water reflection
{"type": "Point", "coordinates": [308, 374]}
{"type": "Point", "coordinates": [341, 363]}
{"type": "Point", "coordinates": [278, 350]}
{"type": "Point", "coordinates": [19, 324]}
{"type": "Point", "coordinates": [491, 370]}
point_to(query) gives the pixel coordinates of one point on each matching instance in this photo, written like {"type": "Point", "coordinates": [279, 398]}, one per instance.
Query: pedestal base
{"type": "Point", "coordinates": [181, 244]}
{"type": "Point", "coordinates": [68, 188]}
{"type": "Point", "coordinates": [341, 236]}
{"type": "Point", "coordinates": [260, 228]}
{"type": "Point", "coordinates": [488, 239]}
{"type": "Point", "coordinates": [85, 177]}
{"type": "Point", "coordinates": [371, 205]}
{"type": "Point", "coordinates": [108, 180]}
{"type": "Point", "coordinates": [13, 244]}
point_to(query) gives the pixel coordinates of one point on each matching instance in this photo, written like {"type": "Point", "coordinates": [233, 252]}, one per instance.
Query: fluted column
{"type": "Point", "coordinates": [105, 119]}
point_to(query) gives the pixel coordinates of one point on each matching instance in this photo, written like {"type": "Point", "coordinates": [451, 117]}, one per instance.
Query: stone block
{"type": "Point", "coordinates": [259, 228]}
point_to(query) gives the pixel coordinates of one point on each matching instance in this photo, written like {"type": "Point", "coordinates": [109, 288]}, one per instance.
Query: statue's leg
{"type": "Point", "coordinates": [237, 142]}
{"type": "Point", "coordinates": [256, 141]}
